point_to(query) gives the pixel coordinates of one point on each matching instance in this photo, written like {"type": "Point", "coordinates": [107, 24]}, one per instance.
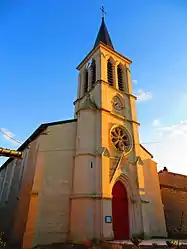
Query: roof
{"type": "Point", "coordinates": [103, 36]}
{"type": "Point", "coordinates": [34, 135]}
{"type": "Point", "coordinates": [171, 173]}
{"type": "Point", "coordinates": [171, 180]}
{"type": "Point", "coordinates": [146, 150]}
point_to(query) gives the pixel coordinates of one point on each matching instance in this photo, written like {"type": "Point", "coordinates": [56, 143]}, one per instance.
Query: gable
{"type": "Point", "coordinates": [34, 135]}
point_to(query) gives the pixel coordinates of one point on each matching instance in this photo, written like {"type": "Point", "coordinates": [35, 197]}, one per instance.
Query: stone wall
{"type": "Point", "coordinates": [174, 197]}
{"type": "Point", "coordinates": [152, 201]}
{"type": "Point", "coordinates": [48, 212]}
{"type": "Point", "coordinates": [10, 185]}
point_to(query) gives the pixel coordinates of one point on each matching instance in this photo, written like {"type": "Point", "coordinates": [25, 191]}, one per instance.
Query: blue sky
{"type": "Point", "coordinates": [42, 42]}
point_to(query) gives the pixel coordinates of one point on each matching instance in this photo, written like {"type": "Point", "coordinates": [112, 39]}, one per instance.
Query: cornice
{"type": "Point", "coordinates": [106, 83]}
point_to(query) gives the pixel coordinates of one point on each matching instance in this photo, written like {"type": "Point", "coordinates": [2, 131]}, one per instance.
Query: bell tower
{"type": "Point", "coordinates": [105, 85]}
{"type": "Point", "coordinates": [108, 151]}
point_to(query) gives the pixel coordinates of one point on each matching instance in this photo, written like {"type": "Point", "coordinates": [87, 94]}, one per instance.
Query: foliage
{"type": "Point", "coordinates": [136, 240]}
{"type": "Point", "coordinates": [183, 246]}
{"type": "Point", "coordinates": [171, 243]}
{"type": "Point", "coordinates": [2, 241]}
{"type": "Point", "coordinates": [95, 242]}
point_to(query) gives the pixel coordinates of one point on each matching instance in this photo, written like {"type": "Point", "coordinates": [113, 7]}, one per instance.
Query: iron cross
{"type": "Point", "coordinates": [103, 11]}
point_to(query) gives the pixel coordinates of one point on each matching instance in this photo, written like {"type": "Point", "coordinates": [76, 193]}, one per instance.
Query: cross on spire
{"type": "Point", "coordinates": [103, 11]}
{"type": "Point", "coordinates": [103, 35]}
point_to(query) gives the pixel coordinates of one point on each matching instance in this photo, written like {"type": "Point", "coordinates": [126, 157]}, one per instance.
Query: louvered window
{"type": "Point", "coordinates": [86, 82]}
{"type": "Point", "coordinates": [110, 73]}
{"type": "Point", "coordinates": [93, 72]}
{"type": "Point", "coordinates": [120, 78]}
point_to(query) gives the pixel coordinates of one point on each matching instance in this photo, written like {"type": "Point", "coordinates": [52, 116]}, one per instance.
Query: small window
{"type": "Point", "coordinates": [120, 78]}
{"type": "Point", "coordinates": [86, 81]}
{"type": "Point", "coordinates": [110, 73]}
{"type": "Point", "coordinates": [93, 72]}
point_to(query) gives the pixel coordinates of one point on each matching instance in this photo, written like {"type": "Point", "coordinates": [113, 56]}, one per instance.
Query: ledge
{"type": "Point", "coordinates": [89, 196]}
{"type": "Point", "coordinates": [34, 193]}
{"type": "Point", "coordinates": [106, 83]}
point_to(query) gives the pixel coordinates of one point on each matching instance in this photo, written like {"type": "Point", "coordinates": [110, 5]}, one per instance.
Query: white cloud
{"type": "Point", "coordinates": [156, 123]}
{"type": "Point", "coordinates": [170, 151]}
{"type": "Point", "coordinates": [174, 130]}
{"type": "Point", "coordinates": [143, 95]}
{"type": "Point", "coordinates": [9, 136]}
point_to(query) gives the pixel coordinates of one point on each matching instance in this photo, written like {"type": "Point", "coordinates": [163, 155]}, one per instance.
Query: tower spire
{"type": "Point", "coordinates": [103, 12]}
{"type": "Point", "coordinates": [103, 35]}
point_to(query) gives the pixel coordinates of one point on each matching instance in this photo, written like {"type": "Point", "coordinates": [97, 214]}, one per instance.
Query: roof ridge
{"type": "Point", "coordinates": [35, 134]}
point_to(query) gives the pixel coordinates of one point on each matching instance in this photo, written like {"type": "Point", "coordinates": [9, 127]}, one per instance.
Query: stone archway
{"type": "Point", "coordinates": [120, 212]}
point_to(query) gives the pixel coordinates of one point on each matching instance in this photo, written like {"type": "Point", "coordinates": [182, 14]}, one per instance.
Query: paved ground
{"type": "Point", "coordinates": [160, 242]}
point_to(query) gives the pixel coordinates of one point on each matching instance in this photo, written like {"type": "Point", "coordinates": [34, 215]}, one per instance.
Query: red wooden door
{"type": "Point", "coordinates": [120, 214]}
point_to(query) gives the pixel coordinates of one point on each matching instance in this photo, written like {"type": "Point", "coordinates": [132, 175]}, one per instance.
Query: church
{"type": "Point", "coordinates": [88, 177]}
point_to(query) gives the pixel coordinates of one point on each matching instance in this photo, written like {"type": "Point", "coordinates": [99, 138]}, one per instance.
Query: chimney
{"type": "Point", "coordinates": [165, 169]}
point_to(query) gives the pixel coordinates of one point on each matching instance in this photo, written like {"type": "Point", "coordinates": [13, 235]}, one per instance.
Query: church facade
{"type": "Point", "coordinates": [88, 177]}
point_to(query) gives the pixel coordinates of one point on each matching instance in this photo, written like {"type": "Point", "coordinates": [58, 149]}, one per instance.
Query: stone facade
{"type": "Point", "coordinates": [174, 197]}
{"type": "Point", "coordinates": [11, 179]}
{"type": "Point", "coordinates": [30, 187]}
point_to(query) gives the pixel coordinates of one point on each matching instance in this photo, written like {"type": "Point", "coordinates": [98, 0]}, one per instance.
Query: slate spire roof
{"type": "Point", "coordinates": [103, 36]}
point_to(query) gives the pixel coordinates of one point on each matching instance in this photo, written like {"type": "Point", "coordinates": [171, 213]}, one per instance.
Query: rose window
{"type": "Point", "coordinates": [120, 138]}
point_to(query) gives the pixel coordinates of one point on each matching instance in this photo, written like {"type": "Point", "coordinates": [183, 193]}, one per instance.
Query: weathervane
{"type": "Point", "coordinates": [103, 11]}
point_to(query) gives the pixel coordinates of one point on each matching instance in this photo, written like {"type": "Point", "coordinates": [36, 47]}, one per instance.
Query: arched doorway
{"type": "Point", "coordinates": [120, 212]}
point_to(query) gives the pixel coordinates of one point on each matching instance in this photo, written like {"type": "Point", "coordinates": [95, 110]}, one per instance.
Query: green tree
{"type": "Point", "coordinates": [2, 242]}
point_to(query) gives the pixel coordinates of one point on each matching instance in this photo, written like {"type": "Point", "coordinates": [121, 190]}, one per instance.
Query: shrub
{"type": "Point", "coordinates": [170, 243]}
{"type": "Point", "coordinates": [136, 240]}
{"type": "Point", "coordinates": [2, 241]}
{"type": "Point", "coordinates": [95, 242]}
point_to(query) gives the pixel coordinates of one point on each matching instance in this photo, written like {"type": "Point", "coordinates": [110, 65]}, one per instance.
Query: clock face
{"type": "Point", "coordinates": [116, 103]}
